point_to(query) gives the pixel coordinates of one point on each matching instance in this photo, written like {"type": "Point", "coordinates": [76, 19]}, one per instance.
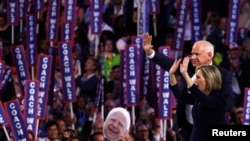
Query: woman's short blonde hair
{"type": "Point", "coordinates": [212, 76]}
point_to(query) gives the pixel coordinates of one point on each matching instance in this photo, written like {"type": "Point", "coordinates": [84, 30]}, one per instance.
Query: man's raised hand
{"type": "Point", "coordinates": [147, 46]}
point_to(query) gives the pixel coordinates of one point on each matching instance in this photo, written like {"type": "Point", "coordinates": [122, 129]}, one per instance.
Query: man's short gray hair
{"type": "Point", "coordinates": [207, 46]}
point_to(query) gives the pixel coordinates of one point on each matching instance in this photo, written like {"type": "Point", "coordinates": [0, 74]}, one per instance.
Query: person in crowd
{"type": "Point", "coordinates": [223, 27]}
{"type": "Point", "coordinates": [111, 58]}
{"type": "Point", "coordinates": [67, 134]}
{"type": "Point", "coordinates": [237, 117]}
{"type": "Point", "coordinates": [201, 54]}
{"type": "Point", "coordinates": [246, 50]}
{"type": "Point", "coordinates": [57, 105]}
{"type": "Point", "coordinates": [11, 89]}
{"type": "Point", "coordinates": [51, 129]}
{"type": "Point", "coordinates": [167, 16]}
{"type": "Point", "coordinates": [98, 136]}
{"type": "Point", "coordinates": [87, 128]}
{"type": "Point", "coordinates": [141, 112]}
{"type": "Point", "coordinates": [61, 126]}
{"type": "Point", "coordinates": [238, 67]}
{"type": "Point", "coordinates": [116, 124]}
{"type": "Point", "coordinates": [113, 11]}
{"type": "Point", "coordinates": [127, 137]}
{"type": "Point", "coordinates": [216, 36]}
{"type": "Point", "coordinates": [244, 14]}
{"type": "Point", "coordinates": [112, 89]}
{"type": "Point", "coordinates": [153, 124]}
{"type": "Point", "coordinates": [88, 81]}
{"type": "Point", "coordinates": [98, 125]}
{"type": "Point", "coordinates": [76, 59]}
{"type": "Point", "coordinates": [80, 108]}
{"type": "Point", "coordinates": [123, 40]}
{"type": "Point", "coordinates": [74, 139]}
{"type": "Point", "coordinates": [80, 111]}
{"type": "Point", "coordinates": [108, 106]}
{"type": "Point", "coordinates": [96, 40]}
{"type": "Point", "coordinates": [31, 135]}
{"type": "Point", "coordinates": [211, 23]}
{"type": "Point", "coordinates": [143, 133]}
{"type": "Point", "coordinates": [69, 117]}
{"type": "Point", "coordinates": [204, 93]}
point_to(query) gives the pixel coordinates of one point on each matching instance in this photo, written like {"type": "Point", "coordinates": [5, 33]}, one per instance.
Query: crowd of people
{"type": "Point", "coordinates": [200, 101]}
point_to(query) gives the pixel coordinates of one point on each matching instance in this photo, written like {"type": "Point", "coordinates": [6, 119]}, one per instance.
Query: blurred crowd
{"type": "Point", "coordinates": [118, 27]}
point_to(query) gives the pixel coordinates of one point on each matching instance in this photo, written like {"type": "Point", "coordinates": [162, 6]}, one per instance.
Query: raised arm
{"type": "Point", "coordinates": [172, 71]}
{"type": "Point", "coordinates": [183, 70]}
{"type": "Point", "coordinates": [177, 91]}
{"type": "Point", "coordinates": [160, 59]}
{"type": "Point", "coordinates": [147, 44]}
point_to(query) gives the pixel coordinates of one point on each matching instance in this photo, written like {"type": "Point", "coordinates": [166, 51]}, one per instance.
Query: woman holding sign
{"type": "Point", "coordinates": [209, 106]}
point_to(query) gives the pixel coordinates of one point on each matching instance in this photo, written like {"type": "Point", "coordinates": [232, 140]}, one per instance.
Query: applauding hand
{"type": "Point", "coordinates": [184, 65]}
{"type": "Point", "coordinates": [174, 67]}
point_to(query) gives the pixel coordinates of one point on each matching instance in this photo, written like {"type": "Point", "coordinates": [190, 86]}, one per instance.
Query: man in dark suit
{"type": "Point", "coordinates": [202, 54]}
{"type": "Point", "coordinates": [113, 11]}
{"type": "Point", "coordinates": [88, 82]}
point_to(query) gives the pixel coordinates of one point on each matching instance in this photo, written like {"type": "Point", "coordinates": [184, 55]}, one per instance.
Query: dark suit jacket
{"type": "Point", "coordinates": [109, 12]}
{"type": "Point", "coordinates": [88, 88]}
{"type": "Point", "coordinates": [207, 110]}
{"type": "Point", "coordinates": [226, 90]}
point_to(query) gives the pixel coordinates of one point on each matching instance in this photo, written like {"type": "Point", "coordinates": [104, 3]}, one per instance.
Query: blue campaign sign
{"type": "Point", "coordinates": [31, 39]}
{"type": "Point", "coordinates": [164, 90]}
{"type": "Point", "coordinates": [70, 10]}
{"type": "Point", "coordinates": [67, 72]}
{"type": "Point", "coordinates": [53, 14]}
{"type": "Point", "coordinates": [12, 8]}
{"type": "Point", "coordinates": [15, 116]}
{"type": "Point", "coordinates": [246, 111]}
{"type": "Point", "coordinates": [132, 75]}
{"type": "Point", "coordinates": [3, 119]}
{"type": "Point", "coordinates": [19, 58]}
{"type": "Point", "coordinates": [96, 16]}
{"type": "Point", "coordinates": [30, 108]}
{"type": "Point", "coordinates": [43, 75]}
